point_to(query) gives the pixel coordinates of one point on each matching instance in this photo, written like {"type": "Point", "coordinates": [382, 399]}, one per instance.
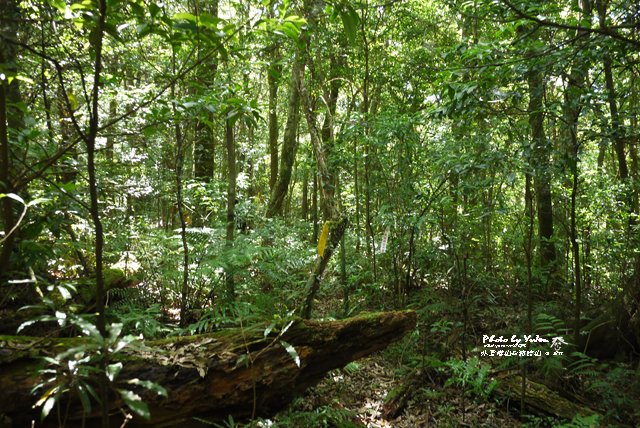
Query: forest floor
{"type": "Point", "coordinates": [355, 397]}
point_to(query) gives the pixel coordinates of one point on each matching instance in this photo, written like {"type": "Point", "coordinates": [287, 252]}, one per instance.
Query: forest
{"type": "Point", "coordinates": [319, 213]}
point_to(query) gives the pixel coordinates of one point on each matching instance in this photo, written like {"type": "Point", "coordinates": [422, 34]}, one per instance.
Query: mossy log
{"type": "Point", "coordinates": [236, 371]}
{"type": "Point", "coordinates": [539, 399]}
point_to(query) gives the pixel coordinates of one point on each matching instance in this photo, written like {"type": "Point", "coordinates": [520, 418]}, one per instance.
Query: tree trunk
{"type": "Point", "coordinates": [90, 140]}
{"type": "Point", "coordinates": [10, 124]}
{"type": "Point", "coordinates": [179, 165]}
{"type": "Point", "coordinates": [289, 142]}
{"type": "Point", "coordinates": [228, 372]}
{"type": "Point", "coordinates": [272, 81]}
{"type": "Point", "coordinates": [542, 172]}
{"type": "Point", "coordinates": [337, 222]}
{"type": "Point", "coordinates": [305, 195]}
{"type": "Point", "coordinates": [113, 111]}
{"type": "Point", "coordinates": [314, 207]}
{"type": "Point", "coordinates": [540, 400]}
{"type": "Point", "coordinates": [203, 147]}
{"type": "Point", "coordinates": [231, 203]}
{"type": "Point", "coordinates": [571, 110]}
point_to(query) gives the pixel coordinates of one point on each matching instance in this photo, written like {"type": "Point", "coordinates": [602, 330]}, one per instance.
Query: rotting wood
{"type": "Point", "coordinates": [210, 374]}
{"type": "Point", "coordinates": [539, 399]}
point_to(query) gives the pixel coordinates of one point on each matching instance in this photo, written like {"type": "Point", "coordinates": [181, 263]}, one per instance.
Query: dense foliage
{"type": "Point", "coordinates": [197, 164]}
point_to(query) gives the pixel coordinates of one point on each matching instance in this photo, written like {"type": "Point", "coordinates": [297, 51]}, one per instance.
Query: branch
{"type": "Point", "coordinates": [24, 180]}
{"type": "Point", "coordinates": [605, 31]}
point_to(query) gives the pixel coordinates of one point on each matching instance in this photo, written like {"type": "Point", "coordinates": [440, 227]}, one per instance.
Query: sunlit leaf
{"type": "Point", "coordinates": [113, 370]}
{"type": "Point", "coordinates": [12, 196]}
{"type": "Point", "coordinates": [184, 17]}
{"type": "Point", "coordinates": [48, 405]}
{"type": "Point", "coordinates": [84, 398]}
{"type": "Point", "coordinates": [291, 351]}
{"type": "Point", "coordinates": [151, 386]}
{"type": "Point", "coordinates": [135, 403]}
{"type": "Point", "coordinates": [269, 329]}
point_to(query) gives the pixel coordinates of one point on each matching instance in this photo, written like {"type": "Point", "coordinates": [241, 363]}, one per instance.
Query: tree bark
{"type": "Point", "coordinates": [10, 123]}
{"type": "Point", "coordinates": [289, 142]}
{"type": "Point", "coordinates": [272, 81]}
{"type": "Point", "coordinates": [179, 166]}
{"type": "Point", "coordinates": [217, 374]}
{"type": "Point", "coordinates": [337, 221]}
{"type": "Point", "coordinates": [90, 141]}
{"type": "Point", "coordinates": [231, 203]}
{"type": "Point", "coordinates": [542, 181]}
{"type": "Point", "coordinates": [571, 110]}
{"type": "Point", "coordinates": [204, 143]}
{"type": "Point", "coordinates": [617, 132]}
{"type": "Point", "coordinates": [540, 400]}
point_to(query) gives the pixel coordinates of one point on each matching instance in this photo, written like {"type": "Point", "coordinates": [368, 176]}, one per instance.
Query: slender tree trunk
{"type": "Point", "coordinates": [617, 132]}
{"type": "Point", "coordinates": [618, 136]}
{"type": "Point", "coordinates": [576, 255]}
{"type": "Point", "coordinates": [334, 217]}
{"type": "Point", "coordinates": [289, 143]}
{"type": "Point", "coordinates": [8, 219]}
{"type": "Point", "coordinates": [272, 81]}
{"type": "Point", "coordinates": [90, 140]}
{"type": "Point", "coordinates": [542, 174]}
{"type": "Point", "coordinates": [204, 142]}
{"type": "Point", "coordinates": [179, 165]}
{"type": "Point", "coordinates": [371, 248]}
{"type": "Point", "coordinates": [231, 203]}
{"type": "Point", "coordinates": [305, 195]}
{"type": "Point", "coordinates": [113, 111]}
{"type": "Point", "coordinates": [356, 193]}
{"type": "Point", "coordinates": [11, 122]}
{"type": "Point", "coordinates": [571, 110]}
{"type": "Point", "coordinates": [43, 80]}
{"type": "Point", "coordinates": [314, 207]}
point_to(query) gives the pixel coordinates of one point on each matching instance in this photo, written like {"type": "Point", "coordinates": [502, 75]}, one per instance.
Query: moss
{"type": "Point", "coordinates": [113, 278]}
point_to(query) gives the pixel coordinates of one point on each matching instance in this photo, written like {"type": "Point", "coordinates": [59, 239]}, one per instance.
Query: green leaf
{"type": "Point", "coordinates": [151, 386]}
{"type": "Point", "coordinates": [48, 405]}
{"type": "Point", "coordinates": [113, 370]}
{"type": "Point", "coordinates": [111, 30]}
{"type": "Point", "coordinates": [61, 5]}
{"type": "Point", "coordinates": [269, 329]}
{"type": "Point", "coordinates": [37, 201]}
{"type": "Point", "coordinates": [290, 30]}
{"type": "Point", "coordinates": [350, 21]}
{"type": "Point", "coordinates": [135, 403]}
{"type": "Point", "coordinates": [286, 327]}
{"type": "Point", "coordinates": [291, 351]}
{"type": "Point", "coordinates": [184, 17]}
{"type": "Point", "coordinates": [66, 295]}
{"type": "Point", "coordinates": [84, 5]}
{"type": "Point", "coordinates": [144, 29]}
{"type": "Point", "coordinates": [114, 331]}
{"type": "Point", "coordinates": [12, 196]}
{"type": "Point", "coordinates": [154, 9]}
{"type": "Point", "coordinates": [137, 9]}
{"type": "Point", "coordinates": [24, 79]}
{"type": "Point", "coordinates": [83, 393]}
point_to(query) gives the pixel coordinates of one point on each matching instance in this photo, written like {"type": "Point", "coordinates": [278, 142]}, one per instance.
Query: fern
{"type": "Point", "coordinates": [549, 325]}
{"type": "Point", "coordinates": [582, 365]}
{"type": "Point", "coordinates": [324, 416]}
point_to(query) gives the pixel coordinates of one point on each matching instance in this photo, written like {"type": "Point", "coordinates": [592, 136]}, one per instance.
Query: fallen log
{"type": "Point", "coordinates": [236, 371]}
{"type": "Point", "coordinates": [539, 399]}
